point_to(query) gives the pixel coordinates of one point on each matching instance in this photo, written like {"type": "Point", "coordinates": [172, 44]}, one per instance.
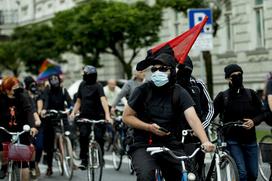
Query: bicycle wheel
{"type": "Point", "coordinates": [13, 172]}
{"type": "Point", "coordinates": [58, 159]}
{"type": "Point", "coordinates": [228, 169]}
{"type": "Point", "coordinates": [265, 159]}
{"type": "Point", "coordinates": [68, 161]}
{"type": "Point", "coordinates": [95, 166]}
{"type": "Point", "coordinates": [130, 166]}
{"type": "Point", "coordinates": [117, 155]}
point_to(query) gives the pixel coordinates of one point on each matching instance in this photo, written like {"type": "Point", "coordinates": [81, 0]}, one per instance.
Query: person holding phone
{"type": "Point", "coordinates": [154, 116]}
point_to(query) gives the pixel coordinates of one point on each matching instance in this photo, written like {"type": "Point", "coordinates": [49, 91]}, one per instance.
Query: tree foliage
{"type": "Point", "coordinates": [36, 43]}
{"type": "Point", "coordinates": [108, 27]}
{"type": "Point", "coordinates": [8, 56]}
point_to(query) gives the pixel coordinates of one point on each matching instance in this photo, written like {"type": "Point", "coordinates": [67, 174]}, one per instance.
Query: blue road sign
{"type": "Point", "coordinates": [197, 15]}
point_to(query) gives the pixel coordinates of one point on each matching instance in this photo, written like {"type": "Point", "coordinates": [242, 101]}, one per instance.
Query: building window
{"type": "Point", "coordinates": [49, 5]}
{"type": "Point", "coordinates": [229, 27]}
{"type": "Point", "coordinates": [259, 23]}
{"type": "Point", "coordinates": [62, 1]}
{"type": "Point", "coordinates": [24, 10]}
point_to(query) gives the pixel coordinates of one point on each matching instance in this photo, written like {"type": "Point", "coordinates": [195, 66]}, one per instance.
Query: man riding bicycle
{"type": "Point", "coordinates": [154, 116]}
{"type": "Point", "coordinates": [92, 104]}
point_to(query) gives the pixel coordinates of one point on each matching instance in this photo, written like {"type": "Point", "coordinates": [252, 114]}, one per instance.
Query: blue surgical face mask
{"type": "Point", "coordinates": [159, 78]}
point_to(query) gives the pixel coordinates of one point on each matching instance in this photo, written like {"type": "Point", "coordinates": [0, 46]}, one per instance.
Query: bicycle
{"type": "Point", "coordinates": [14, 152]}
{"type": "Point", "coordinates": [95, 162]}
{"type": "Point", "coordinates": [120, 146]}
{"type": "Point", "coordinates": [223, 166]}
{"type": "Point", "coordinates": [64, 152]}
{"type": "Point", "coordinates": [265, 158]}
{"type": "Point", "coordinates": [185, 174]}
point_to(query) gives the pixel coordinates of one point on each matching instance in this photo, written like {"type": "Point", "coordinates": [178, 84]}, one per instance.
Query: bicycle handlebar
{"type": "Point", "coordinates": [85, 120]}
{"type": "Point", "coordinates": [26, 128]}
{"type": "Point", "coordinates": [52, 112]}
{"type": "Point", "coordinates": [154, 150]}
{"type": "Point", "coordinates": [229, 124]}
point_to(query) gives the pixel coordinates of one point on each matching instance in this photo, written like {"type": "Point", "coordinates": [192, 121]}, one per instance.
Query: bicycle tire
{"type": "Point", "coordinates": [13, 173]}
{"type": "Point", "coordinates": [58, 159]}
{"type": "Point", "coordinates": [95, 165]}
{"type": "Point", "coordinates": [117, 155]}
{"type": "Point", "coordinates": [265, 167]}
{"type": "Point", "coordinates": [68, 162]}
{"type": "Point", "coordinates": [228, 169]}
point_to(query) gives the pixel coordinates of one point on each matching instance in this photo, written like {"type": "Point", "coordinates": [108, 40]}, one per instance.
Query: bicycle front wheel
{"type": "Point", "coordinates": [265, 158]}
{"type": "Point", "coordinates": [95, 166]}
{"type": "Point", "coordinates": [228, 169]}
{"type": "Point", "coordinates": [117, 152]}
{"type": "Point", "coordinates": [68, 161]}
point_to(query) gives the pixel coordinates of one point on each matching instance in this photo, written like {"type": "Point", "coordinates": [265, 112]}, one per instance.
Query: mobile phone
{"type": "Point", "coordinates": [163, 129]}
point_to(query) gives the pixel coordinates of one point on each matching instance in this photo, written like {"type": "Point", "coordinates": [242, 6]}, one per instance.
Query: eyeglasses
{"type": "Point", "coordinates": [161, 69]}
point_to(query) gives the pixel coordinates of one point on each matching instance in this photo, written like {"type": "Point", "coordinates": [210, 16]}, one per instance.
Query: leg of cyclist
{"type": "Point", "coordinates": [144, 165]}
{"type": "Point", "coordinates": [100, 130]}
{"type": "Point", "coordinates": [49, 140]}
{"type": "Point", "coordinates": [85, 130]}
{"type": "Point", "coordinates": [251, 159]}
{"type": "Point", "coordinates": [39, 149]}
{"type": "Point", "coordinates": [236, 152]}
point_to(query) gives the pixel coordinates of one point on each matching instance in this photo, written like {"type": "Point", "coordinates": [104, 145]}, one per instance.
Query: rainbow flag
{"type": "Point", "coordinates": [48, 68]}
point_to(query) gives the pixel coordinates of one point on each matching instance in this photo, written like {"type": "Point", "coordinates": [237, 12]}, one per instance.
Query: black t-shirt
{"type": "Point", "coordinates": [269, 88]}
{"type": "Point", "coordinates": [159, 109]}
{"type": "Point", "coordinates": [16, 112]}
{"type": "Point", "coordinates": [239, 106]}
{"type": "Point", "coordinates": [89, 95]}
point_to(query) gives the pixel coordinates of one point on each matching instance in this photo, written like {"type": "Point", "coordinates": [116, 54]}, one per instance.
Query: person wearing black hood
{"type": "Point", "coordinates": [150, 109]}
{"type": "Point", "coordinates": [240, 104]}
{"type": "Point", "coordinates": [37, 104]}
{"type": "Point", "coordinates": [203, 104]}
{"type": "Point", "coordinates": [91, 103]}
{"type": "Point", "coordinates": [55, 97]}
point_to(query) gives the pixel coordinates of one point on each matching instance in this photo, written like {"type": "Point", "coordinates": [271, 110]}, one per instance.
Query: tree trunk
{"type": "Point", "coordinates": [209, 75]}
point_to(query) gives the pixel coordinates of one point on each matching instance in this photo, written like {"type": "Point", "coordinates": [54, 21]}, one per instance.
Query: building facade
{"type": "Point", "coordinates": [243, 37]}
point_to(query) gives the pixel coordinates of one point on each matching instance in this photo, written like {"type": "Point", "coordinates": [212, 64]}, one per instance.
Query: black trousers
{"type": "Point", "coordinates": [145, 166]}
{"type": "Point", "coordinates": [85, 130]}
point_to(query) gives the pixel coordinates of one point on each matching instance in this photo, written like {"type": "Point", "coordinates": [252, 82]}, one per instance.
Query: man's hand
{"type": "Point", "coordinates": [155, 129]}
{"type": "Point", "coordinates": [208, 146]}
{"type": "Point", "coordinates": [33, 131]}
{"type": "Point", "coordinates": [113, 110]}
{"type": "Point", "coordinates": [43, 113]}
{"type": "Point", "coordinates": [248, 123]}
{"type": "Point", "coordinates": [108, 119]}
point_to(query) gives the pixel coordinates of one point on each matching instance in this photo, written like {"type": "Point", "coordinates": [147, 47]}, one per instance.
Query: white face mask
{"type": "Point", "coordinates": [159, 78]}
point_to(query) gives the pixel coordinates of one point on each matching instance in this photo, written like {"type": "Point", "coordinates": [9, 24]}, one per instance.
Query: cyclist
{"type": "Point", "coordinates": [37, 104]}
{"type": "Point", "coordinates": [150, 109]}
{"type": "Point", "coordinates": [55, 97]}
{"type": "Point", "coordinates": [203, 104]}
{"type": "Point", "coordinates": [92, 104]}
{"type": "Point", "coordinates": [128, 88]}
{"type": "Point", "coordinates": [240, 104]}
{"type": "Point", "coordinates": [15, 112]}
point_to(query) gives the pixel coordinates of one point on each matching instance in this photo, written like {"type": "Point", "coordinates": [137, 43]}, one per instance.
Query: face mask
{"type": "Point", "coordinates": [183, 76]}
{"type": "Point", "coordinates": [34, 89]}
{"type": "Point", "coordinates": [54, 83]}
{"type": "Point", "coordinates": [237, 81]}
{"type": "Point", "coordinates": [18, 91]}
{"type": "Point", "coordinates": [159, 78]}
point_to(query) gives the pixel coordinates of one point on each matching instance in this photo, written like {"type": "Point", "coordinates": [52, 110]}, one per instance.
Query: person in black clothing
{"type": "Point", "coordinates": [203, 106]}
{"type": "Point", "coordinates": [55, 97]}
{"type": "Point", "coordinates": [37, 103]}
{"type": "Point", "coordinates": [92, 104]}
{"type": "Point", "coordinates": [149, 109]}
{"type": "Point", "coordinates": [15, 112]}
{"type": "Point", "coordinates": [240, 104]}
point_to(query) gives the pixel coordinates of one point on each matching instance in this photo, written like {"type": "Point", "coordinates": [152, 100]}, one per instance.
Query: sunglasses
{"type": "Point", "coordinates": [161, 69]}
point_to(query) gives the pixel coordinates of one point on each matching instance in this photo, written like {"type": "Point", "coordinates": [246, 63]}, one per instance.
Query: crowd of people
{"type": "Point", "coordinates": [156, 109]}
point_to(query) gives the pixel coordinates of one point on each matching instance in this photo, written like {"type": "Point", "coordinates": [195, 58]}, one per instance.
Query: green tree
{"type": "Point", "coordinates": [8, 56]}
{"type": "Point", "coordinates": [36, 43]}
{"type": "Point", "coordinates": [109, 27]}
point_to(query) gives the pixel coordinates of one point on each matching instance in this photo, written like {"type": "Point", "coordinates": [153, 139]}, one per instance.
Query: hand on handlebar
{"type": "Point", "coordinates": [208, 147]}
{"type": "Point", "coordinates": [248, 123]}
{"type": "Point", "coordinates": [108, 119]}
{"type": "Point", "coordinates": [33, 132]}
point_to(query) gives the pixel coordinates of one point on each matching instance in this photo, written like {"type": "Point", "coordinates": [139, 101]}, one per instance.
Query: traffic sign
{"type": "Point", "coordinates": [204, 40]}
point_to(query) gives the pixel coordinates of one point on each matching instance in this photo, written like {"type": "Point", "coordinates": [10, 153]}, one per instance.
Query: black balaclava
{"type": "Point", "coordinates": [184, 72]}
{"type": "Point", "coordinates": [54, 81]}
{"type": "Point", "coordinates": [237, 80]}
{"type": "Point", "coordinates": [31, 85]}
{"type": "Point", "coordinates": [89, 74]}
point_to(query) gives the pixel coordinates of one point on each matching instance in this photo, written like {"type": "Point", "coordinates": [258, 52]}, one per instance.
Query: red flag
{"type": "Point", "coordinates": [182, 44]}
